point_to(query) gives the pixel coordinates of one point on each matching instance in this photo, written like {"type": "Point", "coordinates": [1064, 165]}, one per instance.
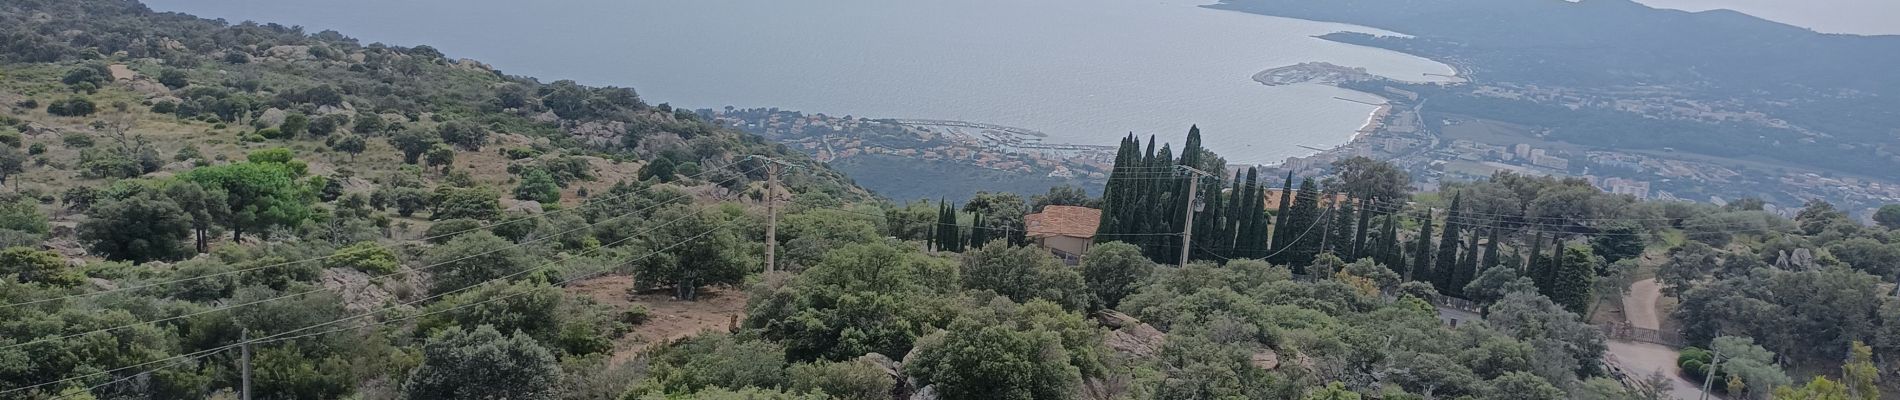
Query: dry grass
{"type": "Point", "coordinates": [719, 309]}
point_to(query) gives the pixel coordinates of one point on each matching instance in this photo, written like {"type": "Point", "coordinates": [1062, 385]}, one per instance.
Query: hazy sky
{"type": "Point", "coordinates": [1866, 17]}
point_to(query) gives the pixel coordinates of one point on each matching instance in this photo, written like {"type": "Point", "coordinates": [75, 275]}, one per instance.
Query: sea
{"type": "Point", "coordinates": [1080, 71]}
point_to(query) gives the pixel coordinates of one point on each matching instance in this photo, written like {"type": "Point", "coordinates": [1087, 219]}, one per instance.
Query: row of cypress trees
{"type": "Point", "coordinates": [1146, 200]}
{"type": "Point", "coordinates": [1145, 203]}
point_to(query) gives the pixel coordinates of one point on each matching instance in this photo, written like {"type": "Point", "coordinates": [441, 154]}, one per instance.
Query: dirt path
{"type": "Point", "coordinates": [1640, 305]}
{"type": "Point", "coordinates": [717, 310]}
{"type": "Point", "coordinates": [1642, 359]}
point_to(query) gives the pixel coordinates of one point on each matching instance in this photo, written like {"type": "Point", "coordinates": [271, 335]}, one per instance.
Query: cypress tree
{"type": "Point", "coordinates": [1115, 200]}
{"type": "Point", "coordinates": [1490, 251]}
{"type": "Point", "coordinates": [1261, 225]}
{"type": "Point", "coordinates": [1575, 273]}
{"type": "Point", "coordinates": [1422, 251]}
{"type": "Point", "coordinates": [945, 228]}
{"type": "Point", "coordinates": [1445, 273]}
{"type": "Point", "coordinates": [1241, 222]}
{"type": "Point", "coordinates": [1341, 231]}
{"type": "Point", "coordinates": [1468, 267]}
{"type": "Point", "coordinates": [1360, 233]}
{"type": "Point", "coordinates": [1168, 220]}
{"type": "Point", "coordinates": [1303, 223]}
{"type": "Point", "coordinates": [979, 234]}
{"type": "Point", "coordinates": [1233, 220]}
{"type": "Point", "coordinates": [1280, 214]}
{"type": "Point", "coordinates": [1534, 268]}
{"type": "Point", "coordinates": [1210, 225]}
{"type": "Point", "coordinates": [1388, 245]}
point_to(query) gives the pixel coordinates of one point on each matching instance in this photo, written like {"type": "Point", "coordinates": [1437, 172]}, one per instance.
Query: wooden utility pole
{"type": "Point", "coordinates": [771, 209]}
{"type": "Point", "coordinates": [771, 212]}
{"type": "Point", "coordinates": [1187, 229]}
{"type": "Point", "coordinates": [244, 342]}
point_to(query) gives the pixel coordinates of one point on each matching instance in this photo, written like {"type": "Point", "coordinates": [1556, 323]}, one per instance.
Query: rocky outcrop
{"type": "Point", "coordinates": [599, 133]}
{"type": "Point", "coordinates": [272, 117]}
{"type": "Point", "coordinates": [289, 53]}
{"type": "Point", "coordinates": [1129, 335]}
{"type": "Point", "coordinates": [526, 206]}
{"type": "Point", "coordinates": [929, 392]}
{"type": "Point", "coordinates": [1265, 359]}
{"type": "Point", "coordinates": [120, 72]}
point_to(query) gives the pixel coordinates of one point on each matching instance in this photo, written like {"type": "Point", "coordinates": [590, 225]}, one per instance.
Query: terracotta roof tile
{"type": "Point", "coordinates": [1063, 221]}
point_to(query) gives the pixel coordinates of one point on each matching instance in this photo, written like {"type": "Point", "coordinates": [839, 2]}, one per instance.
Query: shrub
{"type": "Point", "coordinates": [173, 78]}
{"type": "Point", "coordinates": [72, 107]}
{"type": "Point", "coordinates": [364, 256]}
{"type": "Point", "coordinates": [76, 140]}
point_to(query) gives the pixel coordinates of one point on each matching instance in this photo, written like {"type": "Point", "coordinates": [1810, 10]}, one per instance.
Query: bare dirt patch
{"type": "Point", "coordinates": [718, 310]}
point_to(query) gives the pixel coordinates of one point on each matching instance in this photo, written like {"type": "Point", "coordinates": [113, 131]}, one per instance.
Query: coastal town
{"type": "Point", "coordinates": [994, 147]}
{"type": "Point", "coordinates": [1443, 147]}
{"type": "Point", "coordinates": [1432, 146]}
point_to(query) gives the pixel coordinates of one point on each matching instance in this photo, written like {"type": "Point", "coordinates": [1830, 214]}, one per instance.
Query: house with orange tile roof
{"type": "Point", "coordinates": [1066, 231]}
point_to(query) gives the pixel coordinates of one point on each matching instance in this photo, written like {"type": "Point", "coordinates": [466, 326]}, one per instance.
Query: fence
{"type": "Point", "coordinates": [1625, 331]}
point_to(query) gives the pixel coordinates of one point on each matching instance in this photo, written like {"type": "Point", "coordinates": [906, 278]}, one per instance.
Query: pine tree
{"type": "Point", "coordinates": [1574, 277]}
{"type": "Point", "coordinates": [1422, 251]}
{"type": "Point", "coordinates": [1445, 271]}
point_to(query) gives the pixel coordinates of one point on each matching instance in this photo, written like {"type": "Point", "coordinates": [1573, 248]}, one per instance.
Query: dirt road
{"type": "Point", "coordinates": [1642, 359]}
{"type": "Point", "coordinates": [1640, 305]}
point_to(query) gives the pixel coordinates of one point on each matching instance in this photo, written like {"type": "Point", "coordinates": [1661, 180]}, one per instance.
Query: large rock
{"type": "Point", "coordinates": [1265, 359]}
{"type": "Point", "coordinates": [1140, 340]}
{"type": "Point", "coordinates": [272, 117]}
{"type": "Point", "coordinates": [359, 291]}
{"type": "Point", "coordinates": [290, 53]}
{"type": "Point", "coordinates": [526, 206]}
{"type": "Point", "coordinates": [120, 72]}
{"type": "Point", "coordinates": [929, 392]}
{"type": "Point", "coordinates": [884, 363]}
{"type": "Point", "coordinates": [1115, 319]}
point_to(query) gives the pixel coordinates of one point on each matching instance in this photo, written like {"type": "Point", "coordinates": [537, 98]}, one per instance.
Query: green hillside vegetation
{"type": "Point", "coordinates": [368, 254]}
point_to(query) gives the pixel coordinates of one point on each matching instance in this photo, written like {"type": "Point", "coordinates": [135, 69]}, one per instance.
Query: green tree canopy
{"type": "Point", "coordinates": [258, 195]}
{"type": "Point", "coordinates": [1113, 271]}
{"type": "Point", "coordinates": [1024, 273]}
{"type": "Point", "coordinates": [484, 364]}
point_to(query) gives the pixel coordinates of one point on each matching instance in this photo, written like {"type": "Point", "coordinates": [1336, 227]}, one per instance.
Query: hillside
{"type": "Point", "coordinates": [180, 82]}
{"type": "Point", "coordinates": [196, 210]}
